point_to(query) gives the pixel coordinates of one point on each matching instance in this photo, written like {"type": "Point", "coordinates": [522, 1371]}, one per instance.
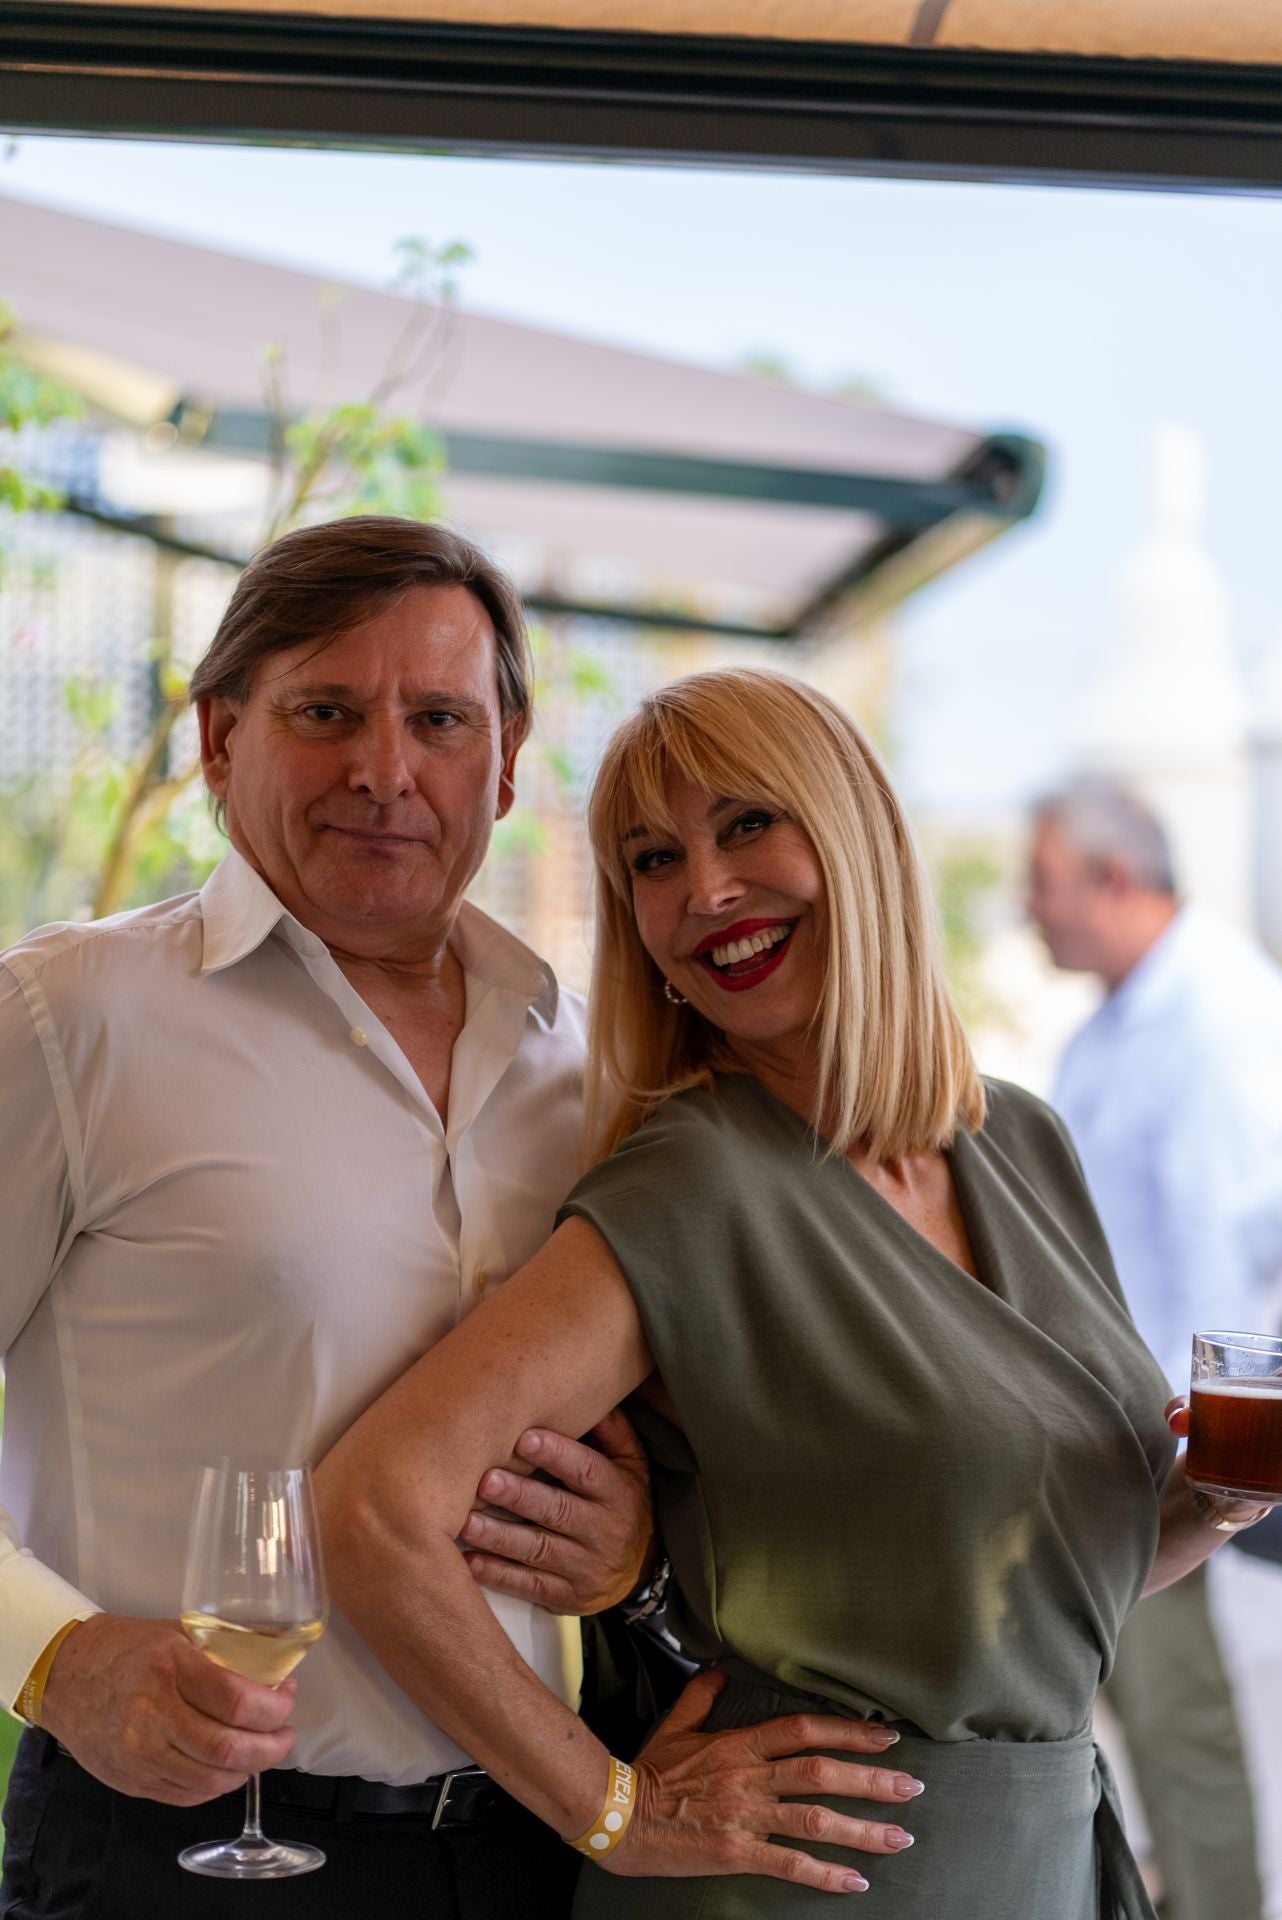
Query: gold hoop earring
{"type": "Point", "coordinates": [670, 993]}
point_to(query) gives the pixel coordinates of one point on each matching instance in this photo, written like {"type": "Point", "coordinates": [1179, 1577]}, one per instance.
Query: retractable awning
{"type": "Point", "coordinates": [615, 483]}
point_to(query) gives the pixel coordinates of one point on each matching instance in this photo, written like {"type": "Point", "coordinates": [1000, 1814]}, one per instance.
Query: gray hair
{"type": "Point", "coordinates": [1106, 822]}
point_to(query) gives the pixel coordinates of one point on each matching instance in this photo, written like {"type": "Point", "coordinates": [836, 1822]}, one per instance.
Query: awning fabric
{"type": "Point", "coordinates": [611, 480]}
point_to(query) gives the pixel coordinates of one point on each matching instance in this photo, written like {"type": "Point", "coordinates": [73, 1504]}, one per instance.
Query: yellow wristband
{"type": "Point", "coordinates": [27, 1704]}
{"type": "Point", "coordinates": [611, 1823]}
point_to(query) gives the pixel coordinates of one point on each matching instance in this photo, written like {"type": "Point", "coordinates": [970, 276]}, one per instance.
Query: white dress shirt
{"type": "Point", "coordinates": [1173, 1095]}
{"type": "Point", "coordinates": [231, 1218]}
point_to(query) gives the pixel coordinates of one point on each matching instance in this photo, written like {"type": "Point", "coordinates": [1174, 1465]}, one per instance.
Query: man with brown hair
{"type": "Point", "coordinates": [260, 1145]}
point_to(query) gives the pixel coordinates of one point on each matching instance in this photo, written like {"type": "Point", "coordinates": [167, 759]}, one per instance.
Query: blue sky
{"type": "Point", "coordinates": [1083, 317]}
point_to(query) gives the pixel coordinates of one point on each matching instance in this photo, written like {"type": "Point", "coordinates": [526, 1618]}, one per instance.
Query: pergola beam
{"type": "Point", "coordinates": [998, 485]}
{"type": "Point", "coordinates": [1003, 477]}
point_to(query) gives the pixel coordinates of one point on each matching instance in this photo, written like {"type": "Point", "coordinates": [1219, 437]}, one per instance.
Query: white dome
{"type": "Point", "coordinates": [1173, 693]}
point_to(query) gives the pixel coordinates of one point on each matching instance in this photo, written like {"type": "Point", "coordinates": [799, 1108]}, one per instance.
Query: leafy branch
{"type": "Point", "coordinates": [27, 399]}
{"type": "Point", "coordinates": [356, 457]}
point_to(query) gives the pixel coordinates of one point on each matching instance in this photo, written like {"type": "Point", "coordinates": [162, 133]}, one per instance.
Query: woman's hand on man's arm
{"type": "Point", "coordinates": [579, 1545]}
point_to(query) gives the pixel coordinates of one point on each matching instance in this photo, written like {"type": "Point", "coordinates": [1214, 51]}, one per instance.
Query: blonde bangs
{"type": "Point", "coordinates": [895, 1072]}
{"type": "Point", "coordinates": [666, 741]}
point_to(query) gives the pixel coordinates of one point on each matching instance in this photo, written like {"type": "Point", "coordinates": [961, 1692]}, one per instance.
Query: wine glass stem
{"type": "Point", "coordinates": [253, 1811]}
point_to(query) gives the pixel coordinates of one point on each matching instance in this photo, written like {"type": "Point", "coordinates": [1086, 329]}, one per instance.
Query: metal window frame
{"type": "Point", "coordinates": [927, 112]}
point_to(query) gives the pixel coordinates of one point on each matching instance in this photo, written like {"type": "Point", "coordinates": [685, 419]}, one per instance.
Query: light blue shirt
{"type": "Point", "coordinates": [1173, 1094]}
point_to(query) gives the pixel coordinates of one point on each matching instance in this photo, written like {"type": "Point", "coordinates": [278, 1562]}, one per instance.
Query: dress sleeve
{"type": "Point", "coordinates": [668, 1204]}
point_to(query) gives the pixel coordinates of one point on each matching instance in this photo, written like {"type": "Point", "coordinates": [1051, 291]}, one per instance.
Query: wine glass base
{"type": "Point", "coordinates": [251, 1859]}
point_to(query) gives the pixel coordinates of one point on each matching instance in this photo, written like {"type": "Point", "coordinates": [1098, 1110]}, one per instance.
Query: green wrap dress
{"type": "Point", "coordinates": [897, 1491]}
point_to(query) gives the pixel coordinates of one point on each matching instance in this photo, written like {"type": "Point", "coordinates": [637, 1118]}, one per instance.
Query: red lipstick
{"type": "Point", "coordinates": [758, 967]}
{"type": "Point", "coordinates": [738, 930]}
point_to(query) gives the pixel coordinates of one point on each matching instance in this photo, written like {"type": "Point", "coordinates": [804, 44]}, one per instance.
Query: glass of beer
{"type": "Point", "coordinates": [1235, 1416]}
{"type": "Point", "coordinates": [254, 1600]}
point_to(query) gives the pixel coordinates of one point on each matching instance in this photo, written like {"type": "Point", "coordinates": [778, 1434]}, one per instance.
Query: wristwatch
{"type": "Point", "coordinates": [652, 1598]}
{"type": "Point", "coordinates": [1215, 1515]}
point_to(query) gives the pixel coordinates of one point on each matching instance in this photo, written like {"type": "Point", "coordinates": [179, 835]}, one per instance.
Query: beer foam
{"type": "Point", "coordinates": [1240, 1389]}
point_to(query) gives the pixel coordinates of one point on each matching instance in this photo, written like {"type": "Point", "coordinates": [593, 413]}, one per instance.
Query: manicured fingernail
{"type": "Point", "coordinates": [495, 1484]}
{"type": "Point", "coordinates": [854, 1883]}
{"type": "Point", "coordinates": [896, 1837]}
{"type": "Point", "coordinates": [906, 1788]}
{"type": "Point", "coordinates": [528, 1444]}
{"type": "Point", "coordinates": [471, 1527]}
{"type": "Point", "coordinates": [884, 1737]}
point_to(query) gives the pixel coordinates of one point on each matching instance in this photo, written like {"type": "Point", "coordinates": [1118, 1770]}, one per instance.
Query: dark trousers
{"type": "Point", "coordinates": [74, 1850]}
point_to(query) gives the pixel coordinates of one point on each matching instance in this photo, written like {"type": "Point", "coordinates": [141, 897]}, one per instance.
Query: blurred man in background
{"type": "Point", "coordinates": [1173, 1094]}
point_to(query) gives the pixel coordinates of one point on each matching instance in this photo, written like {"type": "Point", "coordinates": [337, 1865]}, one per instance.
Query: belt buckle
{"type": "Point", "coordinates": [444, 1795]}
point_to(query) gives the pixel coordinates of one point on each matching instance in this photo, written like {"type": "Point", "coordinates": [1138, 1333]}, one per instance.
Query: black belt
{"type": "Point", "coordinates": [448, 1800]}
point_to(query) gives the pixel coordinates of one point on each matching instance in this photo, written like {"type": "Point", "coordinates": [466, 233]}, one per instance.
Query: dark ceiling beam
{"type": "Point", "coordinates": [924, 112]}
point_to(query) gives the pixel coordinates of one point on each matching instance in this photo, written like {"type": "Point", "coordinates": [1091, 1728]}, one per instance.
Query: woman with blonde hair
{"type": "Point", "coordinates": [908, 1452]}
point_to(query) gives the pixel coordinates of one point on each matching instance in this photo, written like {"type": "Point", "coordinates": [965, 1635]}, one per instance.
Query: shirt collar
{"type": "Point", "coordinates": [239, 911]}
{"type": "Point", "coordinates": [493, 954]}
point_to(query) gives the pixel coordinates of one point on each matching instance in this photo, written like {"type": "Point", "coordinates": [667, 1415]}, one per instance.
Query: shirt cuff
{"type": "Point", "coordinates": [34, 1603]}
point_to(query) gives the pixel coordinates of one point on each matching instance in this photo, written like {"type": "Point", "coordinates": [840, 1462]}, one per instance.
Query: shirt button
{"type": "Point", "coordinates": [480, 1281]}
{"type": "Point", "coordinates": [358, 1035]}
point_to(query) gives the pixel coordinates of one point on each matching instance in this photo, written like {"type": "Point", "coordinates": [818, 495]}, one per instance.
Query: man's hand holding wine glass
{"type": "Point", "coordinates": [134, 1702]}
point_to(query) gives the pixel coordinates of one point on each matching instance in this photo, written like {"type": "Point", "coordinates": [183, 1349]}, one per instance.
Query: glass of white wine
{"type": "Point", "coordinates": [254, 1600]}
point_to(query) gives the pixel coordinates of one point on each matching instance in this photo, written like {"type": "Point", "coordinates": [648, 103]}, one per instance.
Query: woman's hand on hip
{"type": "Point", "coordinates": [713, 1803]}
